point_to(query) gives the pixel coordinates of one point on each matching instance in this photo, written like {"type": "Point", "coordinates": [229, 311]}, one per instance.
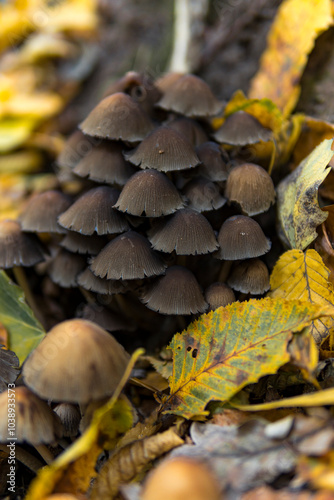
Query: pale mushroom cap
{"type": "Point", "coordinates": [129, 256]}
{"type": "Point", "coordinates": [18, 248]}
{"type": "Point", "coordinates": [94, 212]}
{"type": "Point", "coordinates": [164, 150]}
{"type": "Point", "coordinates": [70, 417]}
{"type": "Point", "coordinates": [241, 237]}
{"type": "Point", "coordinates": [117, 117]}
{"type": "Point", "coordinates": [178, 292]}
{"type": "Point", "coordinates": [203, 195]}
{"type": "Point", "coordinates": [76, 362]}
{"type": "Point", "coordinates": [240, 129]}
{"type": "Point", "coordinates": [105, 163]}
{"type": "Point", "coordinates": [190, 96]}
{"type": "Point", "coordinates": [187, 232]}
{"type": "Point", "coordinates": [250, 276]}
{"type": "Point", "coordinates": [35, 422]}
{"type": "Point", "coordinates": [42, 211]}
{"type": "Point", "coordinates": [149, 193]}
{"type": "Point", "coordinates": [251, 187]}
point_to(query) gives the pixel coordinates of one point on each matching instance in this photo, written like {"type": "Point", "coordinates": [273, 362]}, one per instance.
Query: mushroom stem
{"type": "Point", "coordinates": [25, 458]}
{"type": "Point", "coordinates": [181, 260]}
{"type": "Point", "coordinates": [88, 296]}
{"type": "Point", "coordinates": [45, 453]}
{"type": "Point", "coordinates": [273, 156]}
{"type": "Point", "coordinates": [243, 296]}
{"type": "Point", "coordinates": [224, 271]}
{"type": "Point", "coordinates": [22, 281]}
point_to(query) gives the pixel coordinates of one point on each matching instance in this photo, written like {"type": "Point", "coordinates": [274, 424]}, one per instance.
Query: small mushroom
{"type": "Point", "coordinates": [70, 416]}
{"type": "Point", "coordinates": [129, 256]}
{"type": "Point", "coordinates": [18, 248]}
{"type": "Point", "coordinates": [89, 281]}
{"type": "Point", "coordinates": [240, 129]}
{"type": "Point", "coordinates": [105, 163]}
{"type": "Point", "coordinates": [251, 187]}
{"type": "Point", "coordinates": [76, 362]}
{"type": "Point", "coordinates": [107, 319]}
{"type": "Point", "coordinates": [178, 292]}
{"type": "Point", "coordinates": [117, 117]}
{"type": "Point", "coordinates": [241, 237]}
{"type": "Point", "coordinates": [165, 150]}
{"type": "Point", "coordinates": [64, 268]}
{"type": "Point", "coordinates": [35, 422]}
{"type": "Point", "coordinates": [203, 195]}
{"type": "Point", "coordinates": [165, 81]}
{"type": "Point", "coordinates": [149, 193]}
{"type": "Point", "coordinates": [219, 294]}
{"type": "Point", "coordinates": [250, 276]}
{"type": "Point", "coordinates": [76, 147]}
{"type": "Point", "coordinates": [187, 232]}
{"type": "Point", "coordinates": [42, 211]}
{"type": "Point", "coordinates": [214, 161]}
{"type": "Point", "coordinates": [189, 129]}
{"type": "Point", "coordinates": [190, 96]}
{"type": "Point", "coordinates": [94, 212]}
{"type": "Point", "coordinates": [83, 244]}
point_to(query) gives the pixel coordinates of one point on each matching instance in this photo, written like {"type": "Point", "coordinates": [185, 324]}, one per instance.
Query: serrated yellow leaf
{"type": "Point", "coordinates": [231, 347]}
{"type": "Point", "coordinates": [303, 276]}
{"type": "Point", "coordinates": [299, 213]}
{"type": "Point", "coordinates": [291, 39]}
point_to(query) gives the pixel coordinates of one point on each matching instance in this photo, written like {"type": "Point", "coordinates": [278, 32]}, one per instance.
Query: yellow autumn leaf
{"type": "Point", "coordinates": [319, 471]}
{"type": "Point", "coordinates": [231, 347]}
{"type": "Point", "coordinates": [291, 39]}
{"type": "Point", "coordinates": [303, 276]}
{"type": "Point", "coordinates": [319, 398]}
{"type": "Point", "coordinates": [299, 213]}
{"type": "Point", "coordinates": [15, 131]}
{"type": "Point", "coordinates": [20, 162]}
{"type": "Point", "coordinates": [75, 465]}
{"type": "Point", "coordinates": [312, 134]}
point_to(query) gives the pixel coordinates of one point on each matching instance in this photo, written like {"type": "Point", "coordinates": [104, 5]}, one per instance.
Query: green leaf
{"type": "Point", "coordinates": [297, 198]}
{"type": "Point", "coordinates": [231, 347]}
{"type": "Point", "coordinates": [24, 330]}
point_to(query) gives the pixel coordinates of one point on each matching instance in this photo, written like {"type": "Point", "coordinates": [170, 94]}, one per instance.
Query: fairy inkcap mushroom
{"type": "Point", "coordinates": [165, 150]}
{"type": "Point", "coordinates": [83, 244]}
{"type": "Point", "coordinates": [177, 292]}
{"type": "Point", "coordinates": [64, 268]}
{"type": "Point", "coordinates": [76, 362]}
{"type": "Point", "coordinates": [251, 187]}
{"type": "Point", "coordinates": [190, 96]}
{"type": "Point", "coordinates": [94, 212]}
{"type": "Point", "coordinates": [76, 147]}
{"type": "Point", "coordinates": [42, 211]}
{"type": "Point", "coordinates": [18, 248]}
{"type": "Point", "coordinates": [187, 232]}
{"type": "Point", "coordinates": [250, 276]}
{"type": "Point", "coordinates": [241, 237]}
{"type": "Point", "coordinates": [89, 281]}
{"type": "Point", "coordinates": [240, 129]}
{"type": "Point", "coordinates": [214, 161]}
{"type": "Point", "coordinates": [105, 163]}
{"type": "Point", "coordinates": [219, 294]}
{"type": "Point", "coordinates": [189, 129]}
{"type": "Point", "coordinates": [149, 193]}
{"type": "Point", "coordinates": [117, 117]}
{"type": "Point", "coordinates": [203, 195]}
{"type": "Point", "coordinates": [165, 81]}
{"type": "Point", "coordinates": [129, 256]}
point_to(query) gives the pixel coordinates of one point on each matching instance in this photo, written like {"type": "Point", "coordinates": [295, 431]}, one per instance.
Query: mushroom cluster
{"type": "Point", "coordinates": [164, 224]}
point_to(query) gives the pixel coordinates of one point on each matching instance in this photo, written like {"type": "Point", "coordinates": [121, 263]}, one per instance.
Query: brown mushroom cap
{"type": "Point", "coordinates": [165, 81]}
{"type": "Point", "coordinates": [89, 281]}
{"type": "Point", "coordinates": [178, 292]}
{"type": "Point", "coordinates": [241, 237]}
{"type": "Point", "coordinates": [76, 362]}
{"type": "Point", "coordinates": [240, 129]}
{"type": "Point", "coordinates": [65, 267]}
{"type": "Point", "coordinates": [251, 187]}
{"type": "Point", "coordinates": [105, 163]}
{"type": "Point", "coordinates": [203, 195]}
{"type": "Point", "coordinates": [42, 211]}
{"type": "Point", "coordinates": [117, 117]}
{"type": "Point", "coordinates": [190, 96]}
{"type": "Point", "coordinates": [165, 150]}
{"type": "Point", "coordinates": [187, 232]}
{"type": "Point", "coordinates": [18, 248]}
{"type": "Point", "coordinates": [189, 129]}
{"type": "Point", "coordinates": [75, 148]}
{"type": "Point", "coordinates": [219, 294]}
{"type": "Point", "coordinates": [80, 243]}
{"type": "Point", "coordinates": [149, 193]}
{"type": "Point", "coordinates": [94, 212]}
{"type": "Point", "coordinates": [129, 256]}
{"type": "Point", "coordinates": [250, 276]}
{"type": "Point", "coordinates": [214, 161]}
{"type": "Point", "coordinates": [35, 422]}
